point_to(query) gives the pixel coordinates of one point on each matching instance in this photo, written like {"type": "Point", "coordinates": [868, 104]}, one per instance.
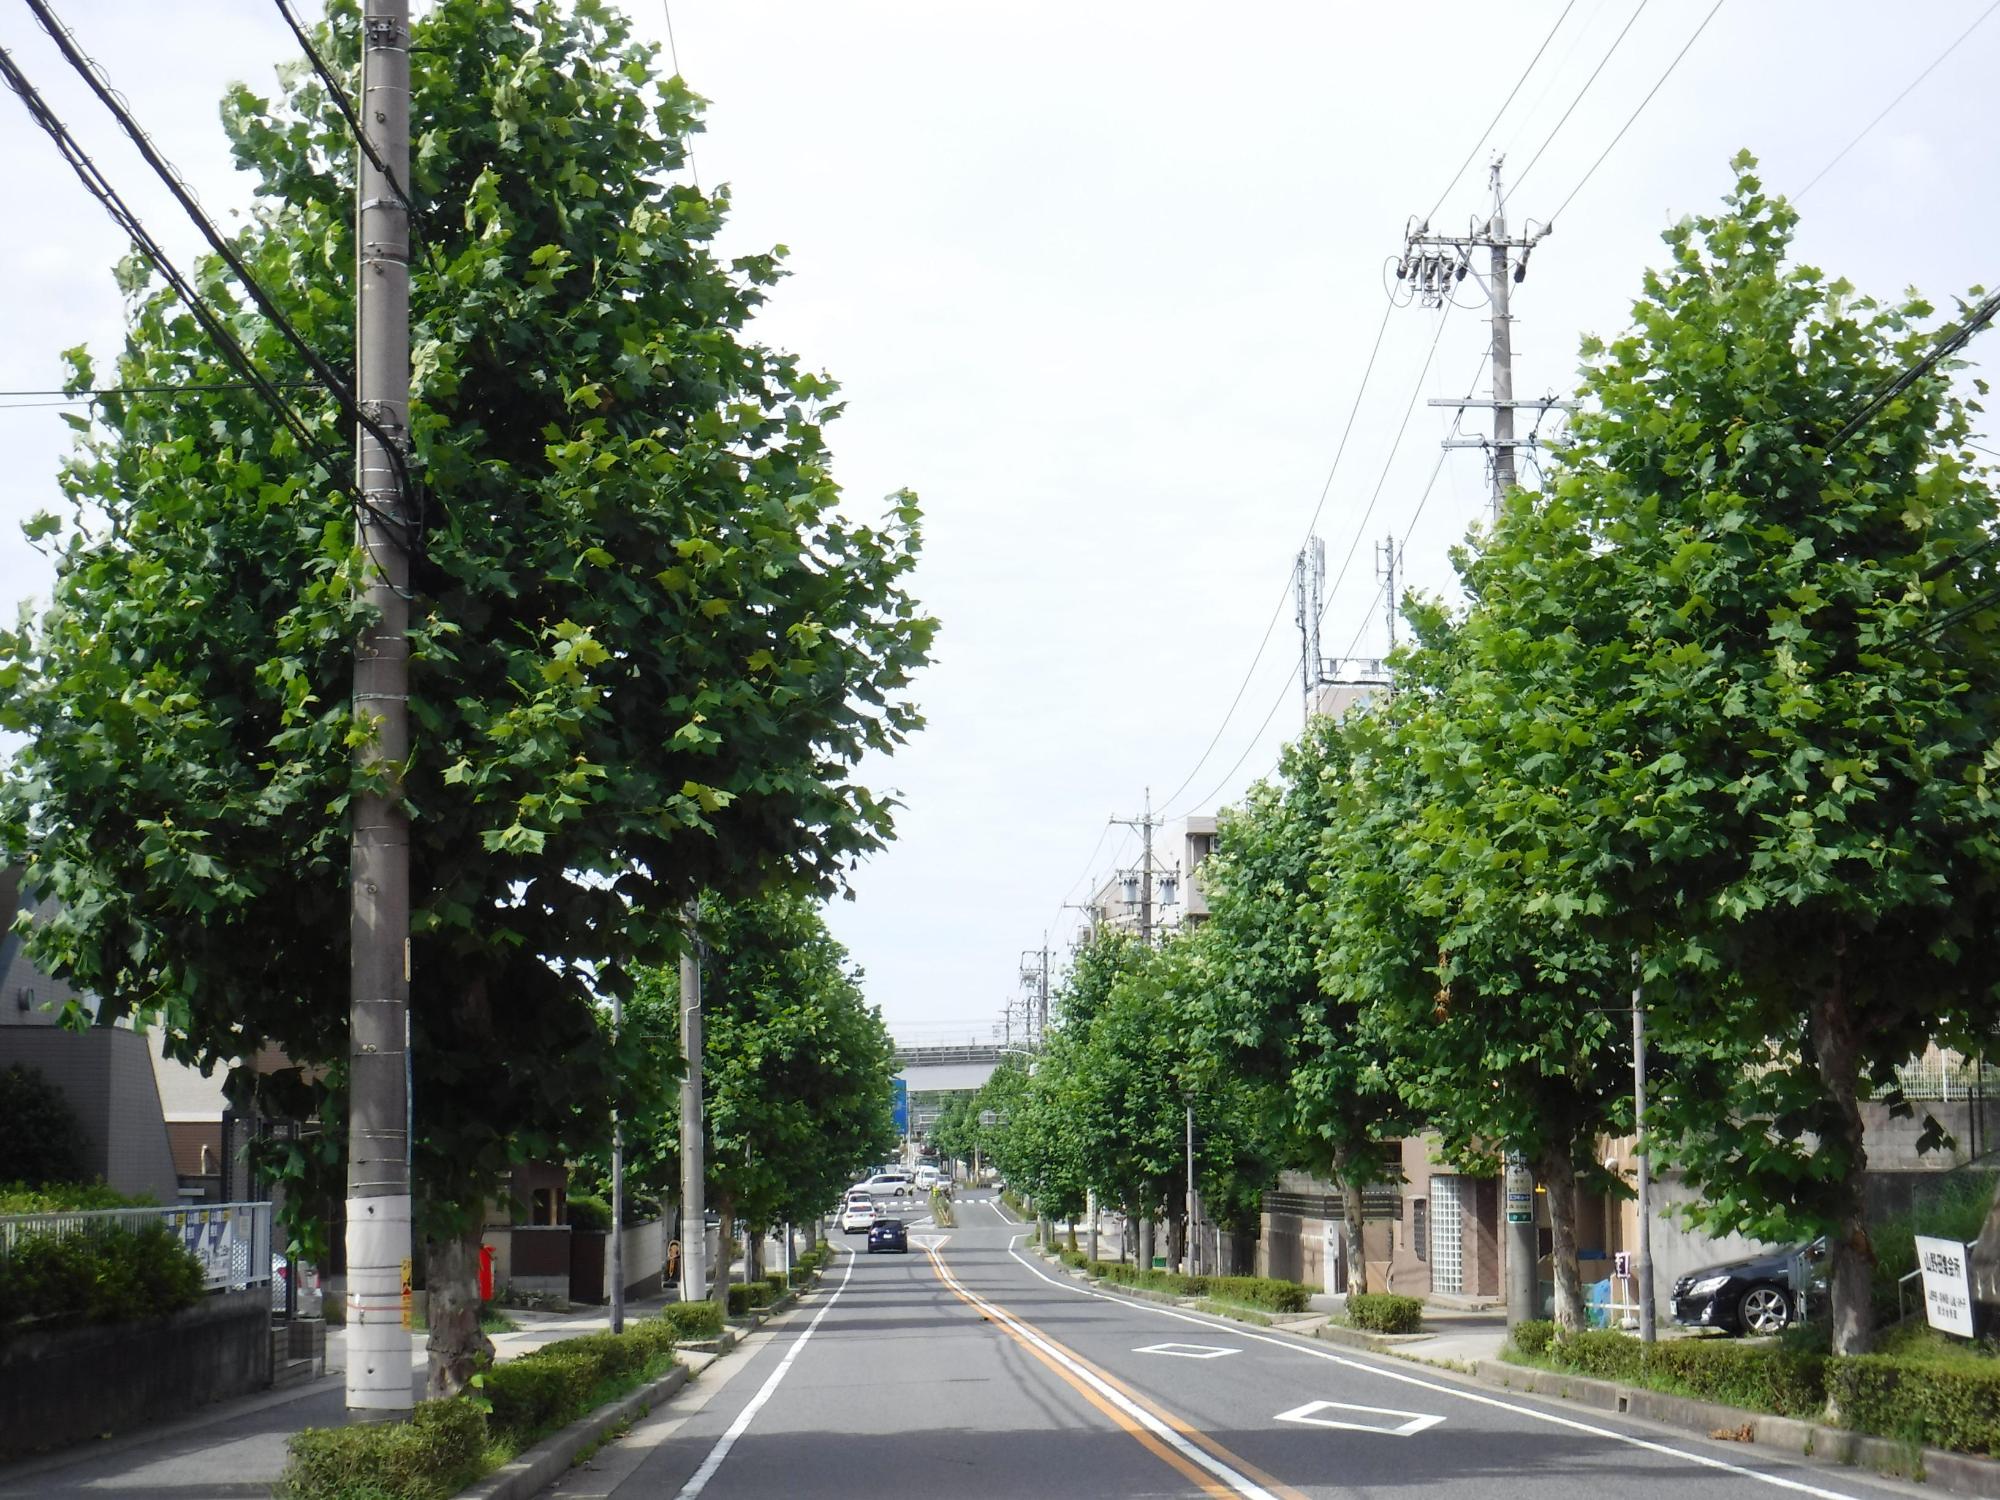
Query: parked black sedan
{"type": "Point", "coordinates": [1761, 1295]}
{"type": "Point", "coordinates": [888, 1234]}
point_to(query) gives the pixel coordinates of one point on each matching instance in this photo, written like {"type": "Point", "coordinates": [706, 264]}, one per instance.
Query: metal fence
{"type": "Point", "coordinates": [232, 1241]}
{"type": "Point", "coordinates": [1947, 1078]}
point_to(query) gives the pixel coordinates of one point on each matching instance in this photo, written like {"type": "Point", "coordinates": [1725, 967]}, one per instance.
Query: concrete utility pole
{"type": "Point", "coordinates": [1436, 264]}
{"type": "Point", "coordinates": [694, 1211]}
{"type": "Point", "coordinates": [378, 1121]}
{"type": "Point", "coordinates": [1035, 976]}
{"type": "Point", "coordinates": [1309, 589]}
{"type": "Point", "coordinates": [1523, 1242]}
{"type": "Point", "coordinates": [615, 1246]}
{"type": "Point", "coordinates": [1145, 824]}
{"type": "Point", "coordinates": [1386, 570]}
{"type": "Point", "coordinates": [1642, 1267]}
{"type": "Point", "coordinates": [1193, 1208]}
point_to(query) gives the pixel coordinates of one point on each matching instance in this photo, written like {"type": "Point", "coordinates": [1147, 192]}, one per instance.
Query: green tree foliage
{"type": "Point", "coordinates": [649, 644]}
{"type": "Point", "coordinates": [1772, 660]}
{"type": "Point", "coordinates": [41, 1139]}
{"type": "Point", "coordinates": [796, 1065]}
{"type": "Point", "coordinates": [1265, 1014]}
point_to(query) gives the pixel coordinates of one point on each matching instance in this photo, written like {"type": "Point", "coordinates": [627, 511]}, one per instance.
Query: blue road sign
{"type": "Point", "coordinates": [899, 1103]}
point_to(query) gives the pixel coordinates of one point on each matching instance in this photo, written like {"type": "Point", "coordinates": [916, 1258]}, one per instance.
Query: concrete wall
{"type": "Point", "coordinates": [107, 1075]}
{"type": "Point", "coordinates": [59, 1388]}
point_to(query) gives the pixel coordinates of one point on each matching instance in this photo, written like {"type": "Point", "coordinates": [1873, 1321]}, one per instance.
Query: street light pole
{"type": "Point", "coordinates": [1643, 1269]}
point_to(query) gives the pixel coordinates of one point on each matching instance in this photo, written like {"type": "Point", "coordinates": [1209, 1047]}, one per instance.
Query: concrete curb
{"type": "Point", "coordinates": [1378, 1343]}
{"type": "Point", "coordinates": [551, 1458]}
{"type": "Point", "coordinates": [1957, 1472]}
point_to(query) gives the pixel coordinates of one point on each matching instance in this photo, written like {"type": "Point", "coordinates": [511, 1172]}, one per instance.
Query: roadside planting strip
{"type": "Point", "coordinates": [1458, 1392]}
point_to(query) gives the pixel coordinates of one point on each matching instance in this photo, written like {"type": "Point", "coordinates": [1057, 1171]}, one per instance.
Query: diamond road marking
{"type": "Point", "coordinates": [929, 1241]}
{"type": "Point", "coordinates": [1187, 1351]}
{"type": "Point", "coordinates": [1309, 1416]}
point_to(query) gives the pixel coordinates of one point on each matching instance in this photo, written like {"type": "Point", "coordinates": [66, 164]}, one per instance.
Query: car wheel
{"type": "Point", "coordinates": [1764, 1310]}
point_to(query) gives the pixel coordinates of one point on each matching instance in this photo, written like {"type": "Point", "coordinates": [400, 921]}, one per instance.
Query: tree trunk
{"type": "Point", "coordinates": [1072, 1231]}
{"type": "Point", "coordinates": [753, 1255]}
{"type": "Point", "coordinates": [1350, 1209]}
{"type": "Point", "coordinates": [1176, 1240]}
{"type": "Point", "coordinates": [725, 1247]}
{"type": "Point", "coordinates": [458, 1349]}
{"type": "Point", "coordinates": [1558, 1174]}
{"type": "Point", "coordinates": [1836, 1048]}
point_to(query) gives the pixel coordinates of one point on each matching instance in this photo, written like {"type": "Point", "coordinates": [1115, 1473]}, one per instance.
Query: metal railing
{"type": "Point", "coordinates": [1947, 1078]}
{"type": "Point", "coordinates": [231, 1241]}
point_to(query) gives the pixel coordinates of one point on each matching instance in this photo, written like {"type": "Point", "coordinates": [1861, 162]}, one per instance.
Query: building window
{"type": "Point", "coordinates": [1420, 1228]}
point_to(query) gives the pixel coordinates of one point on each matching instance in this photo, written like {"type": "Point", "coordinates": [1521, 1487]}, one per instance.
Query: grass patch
{"type": "Point", "coordinates": [1241, 1312]}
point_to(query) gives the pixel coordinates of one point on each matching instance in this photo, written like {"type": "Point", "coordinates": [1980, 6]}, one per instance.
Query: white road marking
{"type": "Point", "coordinates": [1187, 1351]}
{"type": "Point", "coordinates": [928, 1242]}
{"type": "Point", "coordinates": [1777, 1481]}
{"type": "Point", "coordinates": [744, 1418]}
{"type": "Point", "coordinates": [1201, 1457]}
{"type": "Point", "coordinates": [1309, 1416]}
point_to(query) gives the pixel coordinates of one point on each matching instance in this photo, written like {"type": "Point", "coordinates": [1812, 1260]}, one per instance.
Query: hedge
{"type": "Point", "coordinates": [1385, 1312]}
{"type": "Point", "coordinates": [592, 1215]}
{"type": "Point", "coordinates": [1947, 1405]}
{"type": "Point", "coordinates": [439, 1451]}
{"type": "Point", "coordinates": [446, 1445]}
{"type": "Point", "coordinates": [777, 1280]}
{"type": "Point", "coordinates": [752, 1294]}
{"type": "Point", "coordinates": [1258, 1291]}
{"type": "Point", "coordinates": [118, 1275]}
{"type": "Point", "coordinates": [693, 1320]}
{"type": "Point", "coordinates": [1947, 1400]}
{"type": "Point", "coordinates": [66, 1197]}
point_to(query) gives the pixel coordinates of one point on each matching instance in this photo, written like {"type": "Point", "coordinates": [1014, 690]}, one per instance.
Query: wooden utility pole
{"type": "Point", "coordinates": [379, 1110]}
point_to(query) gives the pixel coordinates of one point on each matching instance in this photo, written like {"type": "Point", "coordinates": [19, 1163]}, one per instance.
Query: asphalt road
{"type": "Point", "coordinates": [967, 1368]}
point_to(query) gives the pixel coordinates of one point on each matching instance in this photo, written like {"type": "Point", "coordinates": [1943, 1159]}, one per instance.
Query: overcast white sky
{"type": "Point", "coordinates": [1100, 282]}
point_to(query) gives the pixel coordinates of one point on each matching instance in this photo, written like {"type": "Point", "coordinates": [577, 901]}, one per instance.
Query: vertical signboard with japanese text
{"type": "Point", "coordinates": [1947, 1285]}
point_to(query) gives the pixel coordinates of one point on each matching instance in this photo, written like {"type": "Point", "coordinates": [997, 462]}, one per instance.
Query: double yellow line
{"type": "Point", "coordinates": [1205, 1463]}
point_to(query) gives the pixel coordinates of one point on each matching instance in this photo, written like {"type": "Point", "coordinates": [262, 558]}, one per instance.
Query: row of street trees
{"type": "Point", "coordinates": [650, 642]}
{"type": "Point", "coordinates": [1715, 727]}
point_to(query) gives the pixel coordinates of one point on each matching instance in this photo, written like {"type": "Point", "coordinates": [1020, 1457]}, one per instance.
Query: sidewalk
{"type": "Point", "coordinates": [237, 1447]}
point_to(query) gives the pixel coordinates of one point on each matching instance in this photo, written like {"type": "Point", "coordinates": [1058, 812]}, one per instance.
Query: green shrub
{"type": "Point", "coordinates": [440, 1450]}
{"type": "Point", "coordinates": [693, 1320]}
{"type": "Point", "coordinates": [739, 1301]}
{"type": "Point", "coordinates": [801, 1275]}
{"type": "Point", "coordinates": [554, 1385]}
{"type": "Point", "coordinates": [1945, 1403]}
{"type": "Point", "coordinates": [761, 1293]}
{"type": "Point", "coordinates": [1599, 1353]}
{"type": "Point", "coordinates": [118, 1275]}
{"type": "Point", "coordinates": [1075, 1259]}
{"type": "Point", "coordinates": [592, 1215]}
{"type": "Point", "coordinates": [777, 1281]}
{"type": "Point", "coordinates": [1262, 1291]}
{"type": "Point", "coordinates": [1758, 1376]}
{"type": "Point", "coordinates": [1385, 1312]}
{"type": "Point", "coordinates": [1532, 1336]}
{"type": "Point", "coordinates": [66, 1197]}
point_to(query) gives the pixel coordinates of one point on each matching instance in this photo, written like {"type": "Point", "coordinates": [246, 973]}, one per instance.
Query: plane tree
{"type": "Point", "coordinates": [650, 642]}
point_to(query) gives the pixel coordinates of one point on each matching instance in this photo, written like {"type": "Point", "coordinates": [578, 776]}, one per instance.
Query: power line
{"type": "Point", "coordinates": [1325, 489]}
{"type": "Point", "coordinates": [1521, 176]}
{"type": "Point", "coordinates": [122, 216]}
{"type": "Point", "coordinates": [1840, 155]}
{"type": "Point", "coordinates": [94, 78]}
{"type": "Point", "coordinates": [1942, 350]}
{"type": "Point", "coordinates": [1490, 124]}
{"type": "Point", "coordinates": [193, 387]}
{"type": "Point", "coordinates": [1636, 113]}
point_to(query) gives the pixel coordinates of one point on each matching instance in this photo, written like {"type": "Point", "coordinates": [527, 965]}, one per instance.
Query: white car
{"type": "Point", "coordinates": [857, 1217]}
{"type": "Point", "coordinates": [888, 1185]}
{"type": "Point", "coordinates": [927, 1178]}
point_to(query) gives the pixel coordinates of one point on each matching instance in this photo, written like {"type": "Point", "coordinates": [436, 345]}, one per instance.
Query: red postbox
{"type": "Point", "coordinates": [485, 1273]}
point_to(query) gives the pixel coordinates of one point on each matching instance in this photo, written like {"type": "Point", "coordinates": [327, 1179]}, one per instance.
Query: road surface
{"type": "Point", "coordinates": [968, 1368]}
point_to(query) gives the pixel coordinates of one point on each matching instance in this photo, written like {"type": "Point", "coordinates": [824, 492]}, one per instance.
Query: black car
{"type": "Point", "coordinates": [888, 1234]}
{"type": "Point", "coordinates": [1763, 1294]}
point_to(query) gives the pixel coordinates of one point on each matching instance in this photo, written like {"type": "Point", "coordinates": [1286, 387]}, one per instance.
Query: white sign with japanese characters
{"type": "Point", "coordinates": [1947, 1285]}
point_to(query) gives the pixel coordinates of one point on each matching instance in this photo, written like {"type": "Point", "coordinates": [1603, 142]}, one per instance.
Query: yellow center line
{"type": "Point", "coordinates": [1193, 1453]}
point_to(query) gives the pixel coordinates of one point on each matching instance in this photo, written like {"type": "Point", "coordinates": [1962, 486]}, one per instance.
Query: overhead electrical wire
{"type": "Point", "coordinates": [1841, 154]}
{"type": "Point", "coordinates": [1490, 124]}
{"type": "Point", "coordinates": [128, 222]}
{"type": "Point", "coordinates": [1591, 170]}
{"type": "Point", "coordinates": [1616, 41]}
{"type": "Point", "coordinates": [94, 78]}
{"type": "Point", "coordinates": [1271, 625]}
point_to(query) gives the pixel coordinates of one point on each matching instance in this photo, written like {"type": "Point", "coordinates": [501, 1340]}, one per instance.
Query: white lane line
{"type": "Point", "coordinates": [1776, 1480]}
{"type": "Point", "coordinates": [1200, 1457]}
{"type": "Point", "coordinates": [744, 1418]}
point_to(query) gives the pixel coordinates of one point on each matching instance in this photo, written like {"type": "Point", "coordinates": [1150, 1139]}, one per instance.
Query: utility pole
{"type": "Point", "coordinates": [1309, 589]}
{"type": "Point", "coordinates": [1436, 264]}
{"type": "Point", "coordinates": [1035, 975]}
{"type": "Point", "coordinates": [694, 1211]}
{"type": "Point", "coordinates": [1192, 1206]}
{"type": "Point", "coordinates": [1385, 569]}
{"type": "Point", "coordinates": [379, 1113]}
{"type": "Point", "coordinates": [1643, 1266]}
{"type": "Point", "coordinates": [1145, 824]}
{"type": "Point", "coordinates": [615, 1246]}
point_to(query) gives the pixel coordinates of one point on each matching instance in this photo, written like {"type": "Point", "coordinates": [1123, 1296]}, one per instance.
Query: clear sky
{"type": "Point", "coordinates": [1100, 282]}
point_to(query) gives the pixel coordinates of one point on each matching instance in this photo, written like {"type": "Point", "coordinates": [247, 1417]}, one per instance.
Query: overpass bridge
{"type": "Point", "coordinates": [933, 1073]}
